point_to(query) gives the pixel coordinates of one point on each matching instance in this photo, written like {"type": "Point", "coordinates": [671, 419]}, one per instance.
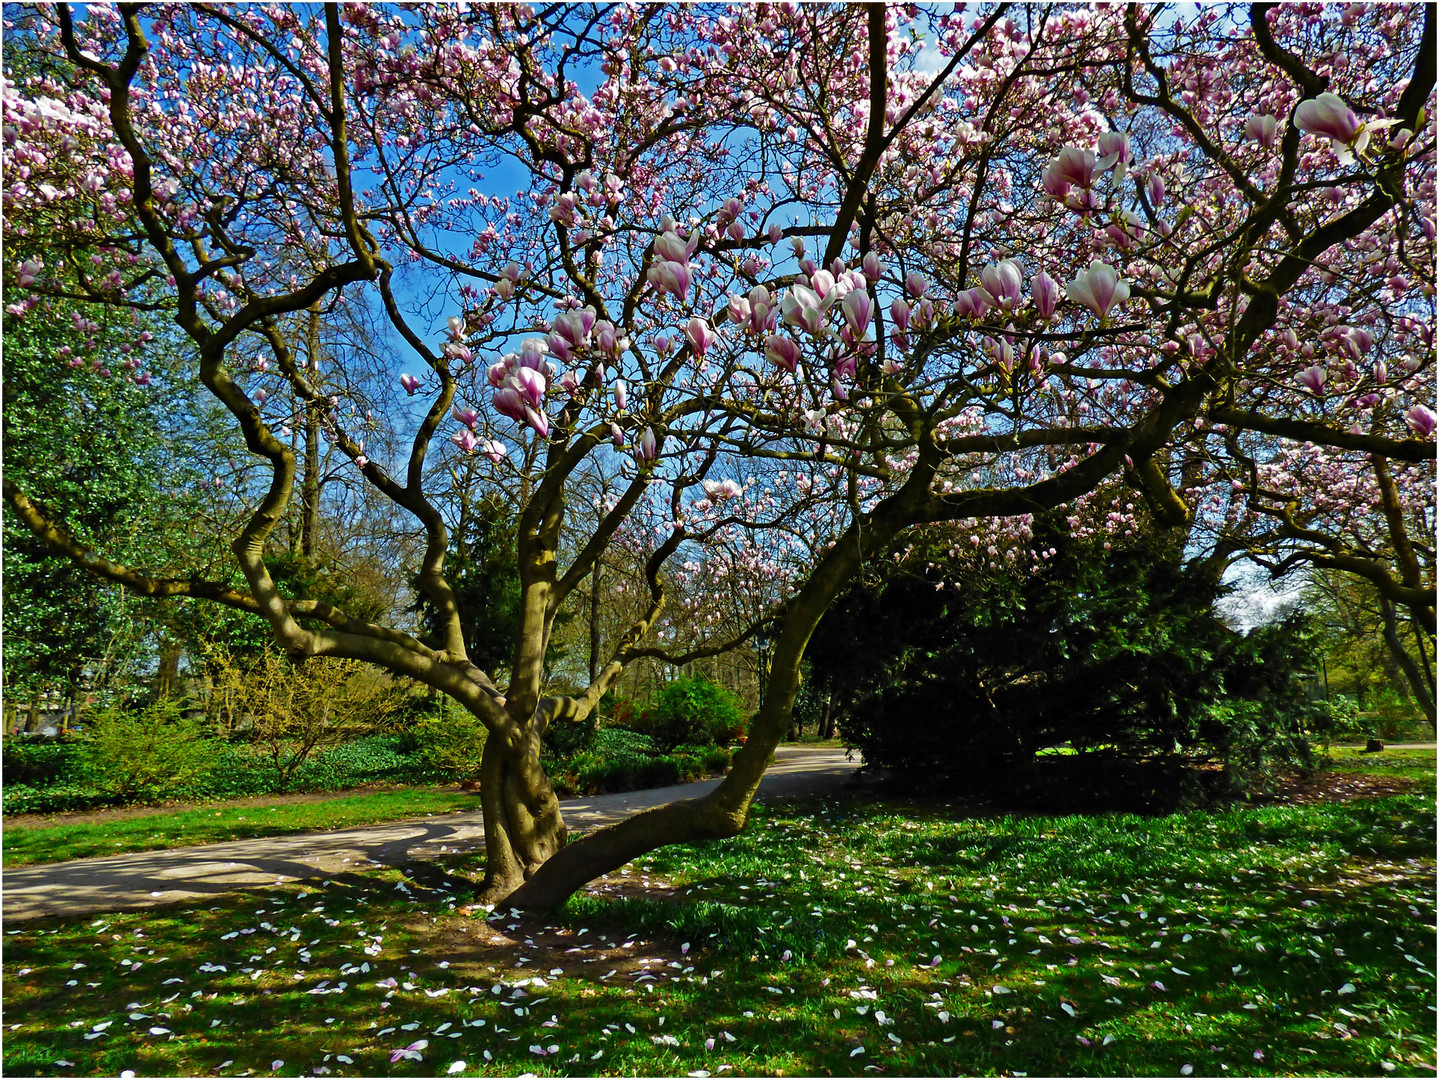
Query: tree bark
{"type": "Point", "coordinates": [168, 677]}
{"type": "Point", "coordinates": [523, 824]}
{"type": "Point", "coordinates": [595, 622]}
{"type": "Point", "coordinates": [310, 475]}
{"type": "Point", "coordinates": [1423, 693]}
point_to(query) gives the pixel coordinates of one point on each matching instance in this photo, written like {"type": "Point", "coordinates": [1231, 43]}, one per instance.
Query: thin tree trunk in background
{"type": "Point", "coordinates": [1423, 693]}
{"type": "Point", "coordinates": [168, 677]}
{"type": "Point", "coordinates": [310, 477]}
{"type": "Point", "coordinates": [595, 622]}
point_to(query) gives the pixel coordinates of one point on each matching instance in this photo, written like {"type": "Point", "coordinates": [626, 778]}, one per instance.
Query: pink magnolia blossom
{"type": "Point", "coordinates": [1113, 150]}
{"type": "Point", "coordinates": [538, 420]}
{"type": "Point", "coordinates": [647, 449]}
{"type": "Point", "coordinates": [468, 417]}
{"type": "Point", "coordinates": [1045, 292]}
{"type": "Point", "coordinates": [575, 326]}
{"type": "Point", "coordinates": [607, 339]}
{"type": "Point", "coordinates": [530, 384]}
{"type": "Point", "coordinates": [972, 303]}
{"type": "Point", "coordinates": [700, 336]}
{"type": "Point", "coordinates": [1354, 341]}
{"type": "Point", "coordinates": [410, 383]}
{"type": "Point", "coordinates": [560, 348]}
{"type": "Point", "coordinates": [1327, 115]}
{"type": "Point", "coordinates": [871, 266]}
{"type": "Point", "coordinates": [899, 314]}
{"type": "Point", "coordinates": [821, 281]}
{"type": "Point", "coordinates": [802, 307]}
{"type": "Point", "coordinates": [858, 310]}
{"type": "Point", "coordinates": [915, 284]}
{"type": "Point", "coordinates": [621, 394]}
{"type": "Point", "coordinates": [465, 440]}
{"type": "Point", "coordinates": [1071, 167]}
{"type": "Point", "coordinates": [1313, 378]}
{"type": "Point", "coordinates": [1004, 282]}
{"type": "Point", "coordinates": [760, 306]}
{"type": "Point", "coordinates": [782, 351]}
{"type": "Point", "coordinates": [494, 450]}
{"type": "Point", "coordinates": [1100, 288]}
{"type": "Point", "coordinates": [775, 233]}
{"type": "Point", "coordinates": [1421, 419]}
{"type": "Point", "coordinates": [670, 248]}
{"type": "Point", "coordinates": [508, 402]}
{"type": "Point", "coordinates": [28, 272]}
{"type": "Point", "coordinates": [1154, 188]}
{"type": "Point", "coordinates": [1261, 129]}
{"type": "Point", "coordinates": [671, 277]}
{"type": "Point", "coordinates": [739, 310]}
{"type": "Point", "coordinates": [721, 490]}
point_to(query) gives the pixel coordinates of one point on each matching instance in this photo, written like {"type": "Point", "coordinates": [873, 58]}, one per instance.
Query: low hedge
{"type": "Point", "coordinates": [627, 761]}
{"type": "Point", "coordinates": [54, 777]}
{"type": "Point", "coordinates": [66, 780]}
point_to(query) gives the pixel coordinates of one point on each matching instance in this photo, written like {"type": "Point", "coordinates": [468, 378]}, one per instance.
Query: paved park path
{"type": "Point", "coordinates": [145, 879]}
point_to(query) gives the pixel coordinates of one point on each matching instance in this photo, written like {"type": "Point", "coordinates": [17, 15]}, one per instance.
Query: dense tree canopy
{"type": "Point", "coordinates": [815, 275]}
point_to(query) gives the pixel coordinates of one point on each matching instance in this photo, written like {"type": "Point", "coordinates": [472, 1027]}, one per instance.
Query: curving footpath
{"type": "Point", "coordinates": [150, 878]}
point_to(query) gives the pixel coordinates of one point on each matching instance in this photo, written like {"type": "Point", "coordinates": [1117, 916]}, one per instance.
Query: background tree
{"type": "Point", "coordinates": [968, 665]}
{"type": "Point", "coordinates": [1369, 648]}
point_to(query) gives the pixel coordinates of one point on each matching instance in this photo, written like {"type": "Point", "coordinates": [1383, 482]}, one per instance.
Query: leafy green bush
{"type": "Point", "coordinates": [451, 742]}
{"type": "Point", "coordinates": [149, 753]}
{"type": "Point", "coordinates": [696, 711]}
{"type": "Point", "coordinates": [627, 761]}
{"type": "Point", "coordinates": [567, 738]}
{"type": "Point", "coordinates": [1338, 718]}
{"type": "Point", "coordinates": [39, 762]}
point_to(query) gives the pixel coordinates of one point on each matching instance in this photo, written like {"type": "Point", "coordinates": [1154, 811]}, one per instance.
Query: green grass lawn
{"type": "Point", "coordinates": [26, 845]}
{"type": "Point", "coordinates": [830, 939]}
{"type": "Point", "coordinates": [1392, 762]}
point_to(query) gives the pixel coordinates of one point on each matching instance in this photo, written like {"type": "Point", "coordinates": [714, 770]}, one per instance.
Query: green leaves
{"type": "Point", "coordinates": [149, 753]}
{"type": "Point", "coordinates": [695, 710]}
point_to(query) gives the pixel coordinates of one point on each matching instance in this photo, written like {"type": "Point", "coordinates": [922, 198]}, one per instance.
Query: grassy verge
{"type": "Point", "coordinates": [1386, 762]}
{"type": "Point", "coordinates": [832, 939]}
{"type": "Point", "coordinates": [27, 845]}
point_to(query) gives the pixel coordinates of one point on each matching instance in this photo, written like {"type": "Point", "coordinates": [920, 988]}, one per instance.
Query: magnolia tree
{"type": "Point", "coordinates": [813, 276]}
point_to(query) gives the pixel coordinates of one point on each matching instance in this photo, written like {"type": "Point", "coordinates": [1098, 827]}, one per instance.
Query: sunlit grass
{"type": "Point", "coordinates": [29, 844]}
{"type": "Point", "coordinates": [828, 940]}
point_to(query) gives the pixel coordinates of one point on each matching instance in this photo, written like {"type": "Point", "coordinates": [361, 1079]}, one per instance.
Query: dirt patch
{"type": "Point", "coordinates": [123, 813]}
{"type": "Point", "coordinates": [510, 947]}
{"type": "Point", "coordinates": [1339, 787]}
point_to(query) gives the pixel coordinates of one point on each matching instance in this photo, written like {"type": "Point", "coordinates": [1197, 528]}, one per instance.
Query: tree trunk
{"type": "Point", "coordinates": [595, 622]}
{"type": "Point", "coordinates": [1423, 693]}
{"type": "Point", "coordinates": [523, 825]}
{"type": "Point", "coordinates": [723, 812]}
{"type": "Point", "coordinates": [310, 477]}
{"type": "Point", "coordinates": [168, 677]}
{"type": "Point", "coordinates": [310, 483]}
